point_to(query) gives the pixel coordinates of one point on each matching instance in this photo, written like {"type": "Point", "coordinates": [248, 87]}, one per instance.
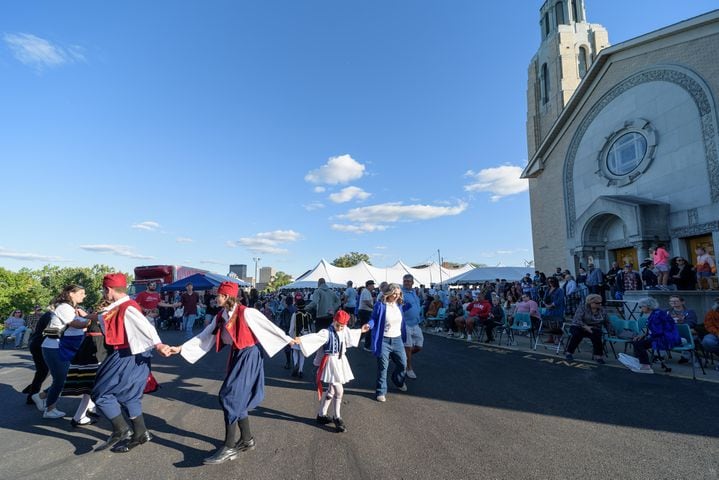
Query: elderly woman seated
{"type": "Point", "coordinates": [587, 323]}
{"type": "Point", "coordinates": [662, 335]}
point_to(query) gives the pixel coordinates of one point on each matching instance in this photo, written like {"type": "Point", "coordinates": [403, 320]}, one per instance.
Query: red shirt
{"type": "Point", "coordinates": [480, 308]}
{"type": "Point", "coordinates": [148, 300]}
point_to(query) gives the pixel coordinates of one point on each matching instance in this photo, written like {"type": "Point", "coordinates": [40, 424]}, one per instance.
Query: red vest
{"type": "Point", "coordinates": [242, 336]}
{"type": "Point", "coordinates": [115, 334]}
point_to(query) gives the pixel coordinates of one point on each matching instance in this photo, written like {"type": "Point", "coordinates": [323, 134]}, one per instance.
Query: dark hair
{"type": "Point", "coordinates": [64, 296]}
{"type": "Point", "coordinates": [553, 281]}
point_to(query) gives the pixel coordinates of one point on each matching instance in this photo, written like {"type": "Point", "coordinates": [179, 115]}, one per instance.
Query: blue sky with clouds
{"type": "Point", "coordinates": [209, 133]}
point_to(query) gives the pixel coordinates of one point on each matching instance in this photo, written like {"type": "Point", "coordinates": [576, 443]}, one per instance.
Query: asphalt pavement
{"type": "Point", "coordinates": [475, 412]}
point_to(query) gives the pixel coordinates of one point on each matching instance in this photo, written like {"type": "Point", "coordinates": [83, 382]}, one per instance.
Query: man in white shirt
{"type": "Point", "coordinates": [366, 305]}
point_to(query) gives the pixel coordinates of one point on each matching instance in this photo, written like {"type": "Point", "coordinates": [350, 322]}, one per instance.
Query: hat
{"type": "Point", "coordinates": [300, 303]}
{"type": "Point", "coordinates": [342, 317]}
{"type": "Point", "coordinates": [114, 280]}
{"type": "Point", "coordinates": [368, 283]}
{"type": "Point", "coordinates": [228, 288]}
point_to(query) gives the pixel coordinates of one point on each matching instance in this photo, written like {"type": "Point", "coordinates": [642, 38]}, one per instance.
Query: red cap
{"type": "Point", "coordinates": [114, 280]}
{"type": "Point", "coordinates": [228, 288]}
{"type": "Point", "coordinates": [342, 317]}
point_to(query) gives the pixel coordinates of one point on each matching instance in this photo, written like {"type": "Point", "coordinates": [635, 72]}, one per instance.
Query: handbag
{"type": "Point", "coordinates": [179, 312]}
{"type": "Point", "coordinates": [54, 332]}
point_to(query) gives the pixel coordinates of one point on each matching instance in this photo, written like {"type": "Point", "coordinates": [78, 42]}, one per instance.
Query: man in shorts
{"type": "Point", "coordinates": [412, 319]}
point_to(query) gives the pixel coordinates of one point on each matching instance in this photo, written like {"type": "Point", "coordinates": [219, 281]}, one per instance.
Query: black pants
{"type": "Point", "coordinates": [364, 317]}
{"type": "Point", "coordinates": [579, 333]}
{"type": "Point", "coordinates": [449, 323]}
{"type": "Point", "coordinates": [41, 370]}
{"type": "Point", "coordinates": [640, 350]}
{"type": "Point", "coordinates": [489, 326]}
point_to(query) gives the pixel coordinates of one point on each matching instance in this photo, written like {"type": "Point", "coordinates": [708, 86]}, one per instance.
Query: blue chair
{"type": "Point", "coordinates": [619, 325]}
{"type": "Point", "coordinates": [523, 324]}
{"type": "Point", "coordinates": [441, 315]}
{"type": "Point", "coordinates": [685, 333]}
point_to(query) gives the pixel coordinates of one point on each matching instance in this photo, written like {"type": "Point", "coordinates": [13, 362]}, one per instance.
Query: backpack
{"type": "Point", "coordinates": [303, 322]}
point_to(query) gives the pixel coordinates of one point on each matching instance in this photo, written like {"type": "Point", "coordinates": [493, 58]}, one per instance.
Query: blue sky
{"type": "Point", "coordinates": [209, 133]}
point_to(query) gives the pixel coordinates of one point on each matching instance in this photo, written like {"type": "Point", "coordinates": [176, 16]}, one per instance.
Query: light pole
{"type": "Point", "coordinates": [256, 259]}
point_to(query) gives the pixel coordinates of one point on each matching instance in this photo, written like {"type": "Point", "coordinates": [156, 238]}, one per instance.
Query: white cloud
{"type": "Point", "coordinates": [396, 212]}
{"type": "Point", "coordinates": [266, 242]}
{"type": "Point", "coordinates": [499, 181]}
{"type": "Point", "coordinates": [359, 228]}
{"type": "Point", "coordinates": [313, 206]}
{"type": "Point", "coordinates": [121, 250]}
{"type": "Point", "coordinates": [39, 53]}
{"type": "Point", "coordinates": [337, 170]}
{"type": "Point", "coordinates": [26, 256]}
{"type": "Point", "coordinates": [349, 193]}
{"type": "Point", "coordinates": [319, 189]}
{"type": "Point", "coordinates": [381, 247]}
{"type": "Point", "coordinates": [213, 262]}
{"type": "Point", "coordinates": [149, 226]}
{"type": "Point", "coordinates": [184, 240]}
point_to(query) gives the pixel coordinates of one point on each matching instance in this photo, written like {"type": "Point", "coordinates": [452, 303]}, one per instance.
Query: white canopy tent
{"type": "Point", "coordinates": [360, 273]}
{"type": "Point", "coordinates": [483, 274]}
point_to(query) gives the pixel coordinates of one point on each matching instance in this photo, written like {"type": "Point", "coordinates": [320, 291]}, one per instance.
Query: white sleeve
{"type": "Point", "coordinates": [270, 336]}
{"type": "Point", "coordinates": [293, 324]}
{"type": "Point", "coordinates": [313, 341]}
{"type": "Point", "coordinates": [196, 347]}
{"type": "Point", "coordinates": [65, 313]}
{"type": "Point", "coordinates": [141, 335]}
{"type": "Point", "coordinates": [353, 336]}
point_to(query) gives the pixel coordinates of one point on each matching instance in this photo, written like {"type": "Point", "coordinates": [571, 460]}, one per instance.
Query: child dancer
{"type": "Point", "coordinates": [299, 325]}
{"type": "Point", "coordinates": [334, 369]}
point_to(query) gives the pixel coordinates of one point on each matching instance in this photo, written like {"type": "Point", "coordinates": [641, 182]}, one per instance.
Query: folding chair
{"type": "Point", "coordinates": [619, 325]}
{"type": "Point", "coordinates": [543, 324]}
{"type": "Point", "coordinates": [523, 324]}
{"type": "Point", "coordinates": [441, 314]}
{"type": "Point", "coordinates": [686, 334]}
{"type": "Point", "coordinates": [504, 327]}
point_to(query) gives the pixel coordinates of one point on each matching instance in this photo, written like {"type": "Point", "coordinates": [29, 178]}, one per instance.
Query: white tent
{"type": "Point", "coordinates": [482, 274]}
{"type": "Point", "coordinates": [362, 272]}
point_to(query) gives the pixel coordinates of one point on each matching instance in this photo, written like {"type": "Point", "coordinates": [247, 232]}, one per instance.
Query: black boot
{"type": "Point", "coordinates": [227, 451]}
{"type": "Point", "coordinates": [340, 425]}
{"type": "Point", "coordinates": [120, 431]}
{"type": "Point", "coordinates": [247, 442]}
{"type": "Point", "coordinates": [140, 436]}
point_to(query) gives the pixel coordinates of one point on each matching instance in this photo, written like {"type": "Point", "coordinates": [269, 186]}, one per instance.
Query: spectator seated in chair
{"type": "Point", "coordinates": [553, 316]}
{"type": "Point", "coordinates": [662, 335]}
{"type": "Point", "coordinates": [680, 314]}
{"type": "Point", "coordinates": [587, 323]}
{"type": "Point", "coordinates": [14, 327]}
{"type": "Point", "coordinates": [477, 311]}
{"type": "Point", "coordinates": [710, 341]}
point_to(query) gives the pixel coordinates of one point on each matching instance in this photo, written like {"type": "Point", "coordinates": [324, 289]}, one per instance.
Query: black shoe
{"type": "Point", "coordinates": [600, 361]}
{"type": "Point", "coordinates": [115, 438]}
{"type": "Point", "coordinates": [295, 373]}
{"type": "Point", "coordinates": [29, 401]}
{"type": "Point", "coordinates": [221, 456]}
{"type": "Point", "coordinates": [340, 425]}
{"type": "Point", "coordinates": [245, 446]}
{"type": "Point", "coordinates": [323, 419]}
{"type": "Point", "coordinates": [75, 424]}
{"type": "Point", "coordinates": [127, 445]}
{"type": "Point", "coordinates": [92, 414]}
{"type": "Point", "coordinates": [300, 374]}
{"type": "Point", "coordinates": [287, 366]}
{"type": "Point", "coordinates": [683, 360]}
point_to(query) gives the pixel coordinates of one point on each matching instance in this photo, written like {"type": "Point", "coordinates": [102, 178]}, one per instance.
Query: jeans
{"type": "Point", "coordinates": [58, 369]}
{"type": "Point", "coordinates": [710, 343]}
{"type": "Point", "coordinates": [188, 321]}
{"type": "Point", "coordinates": [18, 333]}
{"type": "Point", "coordinates": [392, 348]}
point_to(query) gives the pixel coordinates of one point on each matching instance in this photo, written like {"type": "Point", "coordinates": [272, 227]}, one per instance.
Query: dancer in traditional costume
{"type": "Point", "coordinates": [245, 330]}
{"type": "Point", "coordinates": [333, 366]}
{"type": "Point", "coordinates": [121, 378]}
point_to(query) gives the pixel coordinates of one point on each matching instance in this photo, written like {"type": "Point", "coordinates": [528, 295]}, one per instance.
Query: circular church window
{"type": "Point", "coordinates": [626, 153]}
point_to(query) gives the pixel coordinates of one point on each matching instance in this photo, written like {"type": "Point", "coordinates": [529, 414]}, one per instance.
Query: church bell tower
{"type": "Point", "coordinates": [569, 46]}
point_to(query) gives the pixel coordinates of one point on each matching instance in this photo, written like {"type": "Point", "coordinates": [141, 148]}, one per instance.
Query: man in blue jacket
{"type": "Point", "coordinates": [411, 317]}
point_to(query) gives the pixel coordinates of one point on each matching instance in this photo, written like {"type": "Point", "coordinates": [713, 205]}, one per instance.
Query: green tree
{"type": "Point", "coordinates": [351, 259]}
{"type": "Point", "coordinates": [18, 290]}
{"type": "Point", "coordinates": [279, 279]}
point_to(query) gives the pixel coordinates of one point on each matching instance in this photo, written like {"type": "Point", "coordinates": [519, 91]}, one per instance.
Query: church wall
{"type": "Point", "coordinates": [547, 190]}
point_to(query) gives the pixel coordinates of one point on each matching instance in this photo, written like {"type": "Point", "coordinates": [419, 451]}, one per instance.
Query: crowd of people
{"type": "Point", "coordinates": [103, 354]}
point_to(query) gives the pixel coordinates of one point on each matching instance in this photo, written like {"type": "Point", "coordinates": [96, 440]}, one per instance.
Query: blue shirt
{"type": "Point", "coordinates": [411, 315]}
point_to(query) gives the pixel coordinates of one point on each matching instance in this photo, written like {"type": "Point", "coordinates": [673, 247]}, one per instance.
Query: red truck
{"type": "Point", "coordinates": [161, 274]}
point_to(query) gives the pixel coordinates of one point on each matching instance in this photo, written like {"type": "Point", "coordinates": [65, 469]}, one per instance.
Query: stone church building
{"type": "Point", "coordinates": [623, 140]}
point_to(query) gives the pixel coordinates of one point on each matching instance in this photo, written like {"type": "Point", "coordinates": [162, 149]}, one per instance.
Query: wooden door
{"type": "Point", "coordinates": [627, 255]}
{"type": "Point", "coordinates": [704, 241]}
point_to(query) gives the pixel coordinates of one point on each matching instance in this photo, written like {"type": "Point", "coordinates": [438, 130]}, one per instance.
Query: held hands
{"type": "Point", "coordinates": [296, 341]}
{"type": "Point", "coordinates": [167, 351]}
{"type": "Point", "coordinates": [365, 328]}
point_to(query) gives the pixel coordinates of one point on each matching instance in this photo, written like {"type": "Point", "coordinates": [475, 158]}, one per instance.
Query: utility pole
{"type": "Point", "coordinates": [256, 259]}
{"type": "Point", "coordinates": [439, 257]}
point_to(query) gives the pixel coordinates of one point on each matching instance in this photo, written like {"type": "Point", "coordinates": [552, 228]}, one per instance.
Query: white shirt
{"type": "Point", "coordinates": [393, 321]}
{"type": "Point", "coordinates": [365, 296]}
{"type": "Point", "coordinates": [141, 334]}
{"type": "Point", "coordinates": [62, 315]}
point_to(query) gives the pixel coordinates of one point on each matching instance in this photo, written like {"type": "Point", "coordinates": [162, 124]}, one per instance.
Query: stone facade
{"type": "Point", "coordinates": [661, 88]}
